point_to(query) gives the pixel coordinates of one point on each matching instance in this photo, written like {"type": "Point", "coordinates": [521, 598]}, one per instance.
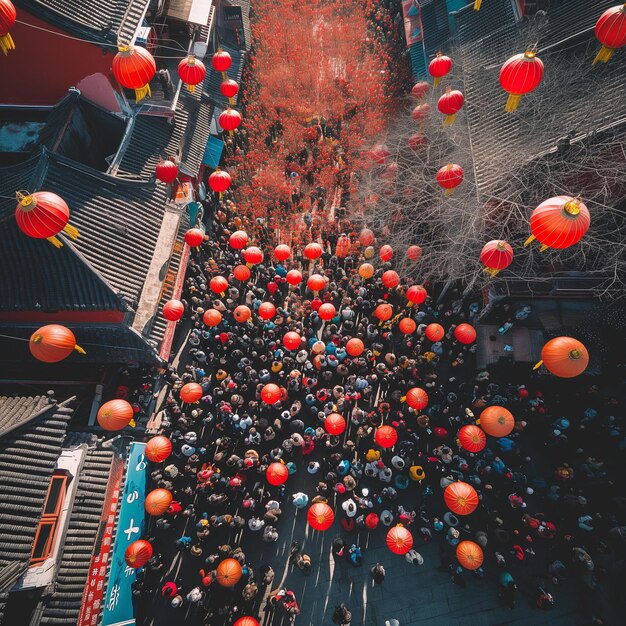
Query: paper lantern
{"type": "Point", "coordinates": [420, 90]}
{"type": "Point", "coordinates": [439, 67]}
{"type": "Point", "coordinates": [417, 398]}
{"type": "Point", "coordinates": [134, 67]}
{"type": "Point", "coordinates": [267, 311]}
{"type": "Point", "coordinates": [407, 326]}
{"type": "Point", "coordinates": [450, 103]}
{"type": "Point", "coordinates": [417, 141]}
{"type": "Point", "coordinates": [461, 498]}
{"type": "Point", "coordinates": [472, 438]}
{"type": "Point", "coordinates": [564, 357]}
{"type": "Point", "coordinates": [316, 283]}
{"type": "Point", "coordinates": [8, 16]}
{"type": "Point", "coordinates": [313, 251]}
{"type": "Point", "coordinates": [220, 181]}
{"type": "Point", "coordinates": [335, 424]}
{"type": "Point", "coordinates": [230, 119]}
{"type": "Point", "coordinates": [416, 294]}
{"type": "Point", "coordinates": [383, 312]}
{"type": "Point", "coordinates": [221, 61]}
{"type": "Point", "coordinates": [369, 253]}
{"type": "Point", "coordinates": [246, 621]}
{"type": "Point", "coordinates": [366, 237]}
{"type": "Point", "coordinates": [386, 436]}
{"type": "Point", "coordinates": [399, 540]}
{"type": "Point", "coordinates": [191, 71]}
{"type": "Point", "coordinates": [292, 341]}
{"type": "Point", "coordinates": [242, 273]}
{"type": "Point", "coordinates": [157, 502]}
{"type": "Point", "coordinates": [238, 240]}
{"type": "Point", "coordinates": [271, 393]}
{"type": "Point", "coordinates": [390, 279]}
{"type": "Point", "coordinates": [53, 343]}
{"type": "Point", "coordinates": [379, 154]}
{"type": "Point", "coordinates": [434, 332]}
{"type": "Point", "coordinates": [496, 255]}
{"type": "Point", "coordinates": [497, 421]}
{"type": "Point", "coordinates": [414, 253]}
{"type": "Point", "coordinates": [469, 555]}
{"type": "Point", "coordinates": [173, 310]}
{"type": "Point", "coordinates": [520, 75]}
{"type": "Point", "coordinates": [242, 314]}
{"type": "Point", "coordinates": [420, 112]}
{"type": "Point", "coordinates": [559, 222]}
{"type": "Point", "coordinates": [229, 88]}
{"type": "Point", "coordinates": [294, 277]}
{"type": "Point", "coordinates": [449, 177]}
{"type": "Point", "coordinates": [212, 317]}
{"type": "Point", "coordinates": [194, 237]}
{"type": "Point", "coordinates": [277, 474]}
{"type": "Point", "coordinates": [138, 553]}
{"type": "Point", "coordinates": [320, 516]}
{"type": "Point", "coordinates": [342, 249]}
{"type": "Point", "coordinates": [366, 271]}
{"type": "Point", "coordinates": [253, 255]}
{"type": "Point", "coordinates": [228, 573]}
{"type": "Point", "coordinates": [218, 284]}
{"type": "Point", "coordinates": [191, 392]}
{"type": "Point", "coordinates": [465, 333]}
{"type": "Point", "coordinates": [610, 31]}
{"type": "Point", "coordinates": [115, 415]}
{"type": "Point", "coordinates": [327, 312]}
{"type": "Point", "coordinates": [166, 171]}
{"type": "Point", "coordinates": [282, 252]}
{"type": "Point", "coordinates": [386, 253]}
{"type": "Point", "coordinates": [158, 449]}
{"type": "Point", "coordinates": [355, 347]}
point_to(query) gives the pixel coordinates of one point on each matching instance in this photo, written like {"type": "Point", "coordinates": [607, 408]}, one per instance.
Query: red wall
{"type": "Point", "coordinates": [44, 66]}
{"type": "Point", "coordinates": [85, 317]}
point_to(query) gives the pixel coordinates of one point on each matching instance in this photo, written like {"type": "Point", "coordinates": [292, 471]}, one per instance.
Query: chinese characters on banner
{"type": "Point", "coordinates": [412, 22]}
{"type": "Point", "coordinates": [118, 606]}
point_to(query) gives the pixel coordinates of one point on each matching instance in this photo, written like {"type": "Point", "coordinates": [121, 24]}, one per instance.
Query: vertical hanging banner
{"type": "Point", "coordinates": [118, 604]}
{"type": "Point", "coordinates": [412, 22]}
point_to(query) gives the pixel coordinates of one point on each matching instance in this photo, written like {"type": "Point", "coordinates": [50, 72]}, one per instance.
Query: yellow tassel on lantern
{"type": "Point", "coordinates": [512, 102]}
{"type": "Point", "coordinates": [604, 55]}
{"type": "Point", "coordinates": [477, 4]}
{"type": "Point", "coordinates": [448, 192]}
{"type": "Point", "coordinates": [191, 88]}
{"type": "Point", "coordinates": [57, 243]}
{"type": "Point", "coordinates": [437, 81]}
{"type": "Point", "coordinates": [492, 271]}
{"type": "Point", "coordinates": [142, 92]}
{"type": "Point", "coordinates": [79, 349]}
{"type": "Point", "coordinates": [6, 43]}
{"type": "Point", "coordinates": [538, 365]}
{"type": "Point", "coordinates": [71, 231]}
{"type": "Point", "coordinates": [449, 120]}
{"type": "Point", "coordinates": [529, 241]}
{"type": "Point", "coordinates": [543, 248]}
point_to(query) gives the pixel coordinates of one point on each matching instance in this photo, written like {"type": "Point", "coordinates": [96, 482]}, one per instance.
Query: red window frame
{"type": "Point", "coordinates": [50, 519]}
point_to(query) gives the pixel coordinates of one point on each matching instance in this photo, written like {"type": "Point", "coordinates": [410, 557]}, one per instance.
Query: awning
{"type": "Point", "coordinates": [213, 152]}
{"type": "Point", "coordinates": [193, 11]}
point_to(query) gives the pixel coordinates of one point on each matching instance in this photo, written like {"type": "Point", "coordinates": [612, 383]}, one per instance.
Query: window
{"type": "Point", "coordinates": [46, 531]}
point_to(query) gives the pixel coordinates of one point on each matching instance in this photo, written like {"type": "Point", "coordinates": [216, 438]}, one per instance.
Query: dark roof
{"type": "Point", "coordinates": [435, 26]}
{"type": "Point", "coordinates": [63, 607]}
{"type": "Point", "coordinates": [212, 86]}
{"type": "Point", "coordinates": [199, 111]}
{"type": "Point", "coordinates": [105, 21]}
{"type": "Point", "coordinates": [226, 36]}
{"type": "Point", "coordinates": [118, 221]}
{"type": "Point", "coordinates": [28, 454]}
{"type": "Point", "coordinates": [574, 98]}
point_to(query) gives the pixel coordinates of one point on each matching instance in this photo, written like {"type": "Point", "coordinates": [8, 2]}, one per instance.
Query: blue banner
{"type": "Point", "coordinates": [118, 606]}
{"type": "Point", "coordinates": [213, 152]}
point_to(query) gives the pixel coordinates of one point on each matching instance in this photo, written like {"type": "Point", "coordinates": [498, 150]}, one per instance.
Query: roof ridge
{"type": "Point", "coordinates": [38, 414]}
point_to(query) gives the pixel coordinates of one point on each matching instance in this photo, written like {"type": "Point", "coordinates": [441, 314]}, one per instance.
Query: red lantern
{"type": "Point", "coordinates": [134, 67]}
{"type": "Point", "coordinates": [221, 61]}
{"type": "Point", "coordinates": [246, 621]}
{"type": "Point", "coordinates": [220, 181]}
{"type": "Point", "coordinates": [294, 277]}
{"type": "Point", "coordinates": [414, 253]}
{"type": "Point", "coordinates": [238, 240]}
{"type": "Point", "coordinates": [439, 67]}
{"type": "Point", "coordinates": [434, 332]}
{"type": "Point", "coordinates": [53, 343]}
{"type": "Point", "coordinates": [610, 31]}
{"type": "Point", "coordinates": [450, 104]}
{"type": "Point", "coordinates": [228, 573]}
{"type": "Point", "coordinates": [564, 357]}
{"type": "Point", "coordinates": [158, 449]}
{"type": "Point", "coordinates": [320, 516]}
{"type": "Point", "coordinates": [138, 553]}
{"type": "Point", "coordinates": [399, 540]}
{"type": "Point", "coordinates": [282, 252]}
{"type": "Point", "coordinates": [191, 71]}
{"type": "Point", "coordinates": [8, 16]}
{"type": "Point", "coordinates": [212, 317]}
{"type": "Point", "coordinates": [271, 393]}
{"type": "Point", "coordinates": [327, 311]}
{"type": "Point", "coordinates": [313, 251]}
{"type": "Point", "coordinates": [417, 398]}
{"type": "Point", "coordinates": [267, 311]}
{"type": "Point", "coordinates": [461, 498]}
{"type": "Point", "coordinates": [342, 248]}
{"type": "Point", "coordinates": [272, 287]}
{"type": "Point", "coordinates": [421, 112]}
{"type": "Point", "coordinates": [469, 555]}
{"type": "Point", "coordinates": [276, 474]}
{"type": "Point", "coordinates": [158, 501]}
{"type": "Point", "coordinates": [166, 171]}
{"type": "Point", "coordinates": [391, 279]}
{"type": "Point", "coordinates": [335, 424]}
{"type": "Point", "coordinates": [218, 284]}
{"type": "Point", "coordinates": [190, 393]}
{"type": "Point", "coordinates": [465, 333]}
{"type": "Point", "coordinates": [292, 341]}
{"type": "Point", "coordinates": [472, 438]}
{"type": "Point", "coordinates": [383, 312]}
{"type": "Point", "coordinates": [230, 119]}
{"type": "Point", "coordinates": [316, 283]}
{"type": "Point", "coordinates": [416, 294]}
{"type": "Point", "coordinates": [449, 177]}
{"type": "Point", "coordinates": [242, 273]}
{"type": "Point", "coordinates": [355, 347]}
{"type": "Point", "coordinates": [407, 326]}
{"type": "Point", "coordinates": [559, 222]}
{"type": "Point", "coordinates": [242, 314]}
{"type": "Point", "coordinates": [496, 256]}
{"type": "Point", "coordinates": [43, 215]}
{"type": "Point", "coordinates": [229, 88]}
{"type": "Point", "coordinates": [420, 90]}
{"type": "Point", "coordinates": [520, 75]}
{"type": "Point", "coordinates": [173, 310]}
{"type": "Point", "coordinates": [366, 238]}
{"type": "Point", "coordinates": [386, 253]}
{"type": "Point", "coordinates": [194, 237]}
{"type": "Point", "coordinates": [497, 421]}
{"type": "Point", "coordinates": [379, 154]}
{"type": "Point", "coordinates": [386, 436]}
{"type": "Point", "coordinates": [253, 255]}
{"type": "Point", "coordinates": [115, 415]}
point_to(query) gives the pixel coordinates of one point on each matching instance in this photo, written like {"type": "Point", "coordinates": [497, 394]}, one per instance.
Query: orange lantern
{"type": "Point", "coordinates": [355, 347]}
{"type": "Point", "coordinates": [417, 398]}
{"type": "Point", "coordinates": [212, 317]}
{"type": "Point", "coordinates": [53, 343]}
{"type": "Point", "coordinates": [228, 573]}
{"type": "Point", "coordinates": [292, 341]}
{"type": "Point", "coordinates": [434, 332]}
{"type": "Point", "coordinates": [190, 393]}
{"type": "Point", "coordinates": [8, 16]}
{"type": "Point", "coordinates": [383, 312]}
{"type": "Point", "coordinates": [386, 253]}
{"type": "Point", "coordinates": [158, 449]}
{"type": "Point", "coordinates": [238, 240]}
{"type": "Point", "coordinates": [391, 279]}
{"type": "Point", "coordinates": [271, 393]}
{"type": "Point", "coordinates": [267, 311]}
{"type": "Point", "coordinates": [465, 333]}
{"type": "Point", "coordinates": [497, 421]}
{"type": "Point", "coordinates": [320, 516]}
{"type": "Point", "coordinates": [242, 273]}
{"type": "Point", "coordinates": [386, 436]}
{"type": "Point", "coordinates": [472, 438]}
{"type": "Point", "coordinates": [115, 414]}
{"type": "Point", "coordinates": [138, 553]}
{"type": "Point", "coordinates": [294, 277]}
{"type": "Point", "coordinates": [242, 314]}
{"type": "Point", "coordinates": [564, 357]}
{"type": "Point", "coordinates": [461, 498]}
{"type": "Point", "coordinates": [416, 294]}
{"type": "Point", "coordinates": [282, 252]}
{"type": "Point", "coordinates": [469, 555]}
{"type": "Point", "coordinates": [134, 67]}
{"type": "Point", "coordinates": [327, 311]}
{"type": "Point", "coordinates": [335, 424]}
{"type": "Point", "coordinates": [173, 310]}
{"type": "Point", "coordinates": [276, 474]}
{"type": "Point", "coordinates": [366, 271]}
{"type": "Point", "coordinates": [559, 222]}
{"type": "Point", "coordinates": [316, 283]}
{"type": "Point", "coordinates": [191, 71]}
{"type": "Point", "coordinates": [158, 501]}
{"type": "Point", "coordinates": [407, 326]}
{"type": "Point", "coordinates": [399, 540]}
